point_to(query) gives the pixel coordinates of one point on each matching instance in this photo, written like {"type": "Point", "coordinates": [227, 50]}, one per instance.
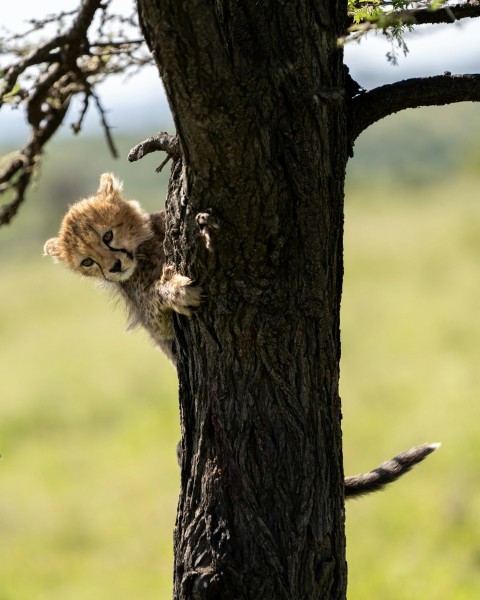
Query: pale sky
{"type": "Point", "coordinates": [433, 50]}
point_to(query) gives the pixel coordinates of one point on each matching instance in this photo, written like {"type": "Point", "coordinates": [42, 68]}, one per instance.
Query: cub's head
{"type": "Point", "coordinates": [99, 236]}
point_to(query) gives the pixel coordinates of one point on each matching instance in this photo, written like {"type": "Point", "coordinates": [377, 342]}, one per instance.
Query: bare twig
{"type": "Point", "coordinates": [105, 125]}
{"type": "Point", "coordinates": [162, 164]}
{"type": "Point", "coordinates": [77, 125]}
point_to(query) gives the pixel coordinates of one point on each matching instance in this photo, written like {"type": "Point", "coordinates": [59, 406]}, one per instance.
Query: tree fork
{"type": "Point", "coordinates": [261, 508]}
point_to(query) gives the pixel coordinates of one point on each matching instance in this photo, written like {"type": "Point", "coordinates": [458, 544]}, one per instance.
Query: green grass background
{"type": "Point", "coordinates": [88, 413]}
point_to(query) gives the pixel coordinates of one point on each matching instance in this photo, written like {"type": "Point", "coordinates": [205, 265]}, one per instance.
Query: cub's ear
{"type": "Point", "coordinates": [52, 248]}
{"type": "Point", "coordinates": [110, 185]}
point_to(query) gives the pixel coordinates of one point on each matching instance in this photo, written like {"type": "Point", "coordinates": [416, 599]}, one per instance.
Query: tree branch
{"type": "Point", "coordinates": [424, 16]}
{"type": "Point", "coordinates": [447, 14]}
{"type": "Point", "coordinates": [47, 105]}
{"type": "Point", "coordinates": [369, 107]}
{"type": "Point", "coordinates": [162, 141]}
{"type": "Point", "coordinates": [17, 175]}
{"type": "Point", "coordinates": [44, 77]}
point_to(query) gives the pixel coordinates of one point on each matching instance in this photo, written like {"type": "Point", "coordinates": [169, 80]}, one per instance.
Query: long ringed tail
{"type": "Point", "coordinates": [391, 470]}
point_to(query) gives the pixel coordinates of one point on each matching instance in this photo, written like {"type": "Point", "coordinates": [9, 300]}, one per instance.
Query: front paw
{"type": "Point", "coordinates": [179, 292]}
{"type": "Point", "coordinates": [188, 297]}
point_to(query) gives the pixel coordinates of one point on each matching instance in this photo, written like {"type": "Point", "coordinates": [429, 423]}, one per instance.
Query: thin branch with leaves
{"type": "Point", "coordinates": [395, 18]}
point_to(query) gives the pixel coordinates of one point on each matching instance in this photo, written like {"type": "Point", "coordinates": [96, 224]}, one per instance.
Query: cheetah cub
{"type": "Point", "coordinates": [114, 241]}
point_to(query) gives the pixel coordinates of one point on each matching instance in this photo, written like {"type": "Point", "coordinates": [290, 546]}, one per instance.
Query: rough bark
{"type": "Point", "coordinates": [255, 214]}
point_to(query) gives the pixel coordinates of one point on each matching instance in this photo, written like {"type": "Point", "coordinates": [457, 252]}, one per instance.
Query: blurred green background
{"type": "Point", "coordinates": [88, 413]}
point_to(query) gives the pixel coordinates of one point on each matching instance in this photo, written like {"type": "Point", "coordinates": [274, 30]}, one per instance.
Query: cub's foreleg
{"type": "Point", "coordinates": [178, 292]}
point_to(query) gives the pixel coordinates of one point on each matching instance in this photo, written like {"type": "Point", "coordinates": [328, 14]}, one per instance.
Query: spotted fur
{"type": "Point", "coordinates": [114, 241]}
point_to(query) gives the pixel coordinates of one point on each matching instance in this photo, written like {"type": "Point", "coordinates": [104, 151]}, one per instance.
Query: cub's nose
{"type": "Point", "coordinates": [117, 267]}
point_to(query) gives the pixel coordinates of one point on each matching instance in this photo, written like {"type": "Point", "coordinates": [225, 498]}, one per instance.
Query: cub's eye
{"type": "Point", "coordinates": [87, 262]}
{"type": "Point", "coordinates": [108, 237]}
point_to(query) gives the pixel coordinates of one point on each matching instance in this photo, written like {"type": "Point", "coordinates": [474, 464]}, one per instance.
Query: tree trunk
{"type": "Point", "coordinates": [255, 215]}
